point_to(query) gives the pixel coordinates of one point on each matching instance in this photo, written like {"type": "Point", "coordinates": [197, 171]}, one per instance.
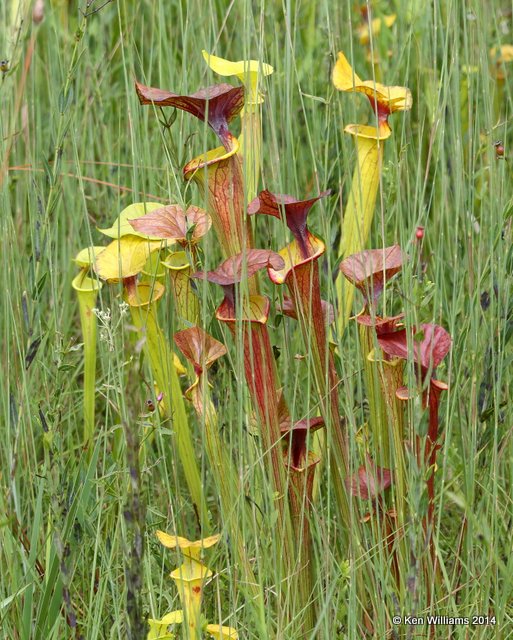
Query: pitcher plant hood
{"type": "Point", "coordinates": [217, 105]}
{"type": "Point", "coordinates": [384, 99]}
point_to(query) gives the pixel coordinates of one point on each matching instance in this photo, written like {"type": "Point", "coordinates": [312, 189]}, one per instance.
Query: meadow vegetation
{"type": "Point", "coordinates": [226, 412]}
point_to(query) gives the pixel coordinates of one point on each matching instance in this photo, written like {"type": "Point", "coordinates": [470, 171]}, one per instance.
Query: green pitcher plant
{"type": "Point", "coordinates": [122, 261]}
{"type": "Point", "coordinates": [202, 350]}
{"type": "Point", "coordinates": [359, 210]}
{"type": "Point", "coordinates": [87, 289]}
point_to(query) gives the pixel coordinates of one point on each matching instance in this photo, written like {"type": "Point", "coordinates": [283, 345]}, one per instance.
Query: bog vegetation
{"type": "Point", "coordinates": [256, 320]}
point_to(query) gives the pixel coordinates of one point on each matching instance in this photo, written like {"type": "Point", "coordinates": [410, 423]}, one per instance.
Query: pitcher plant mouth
{"type": "Point", "coordinates": [201, 350]}
{"type": "Point", "coordinates": [294, 212]}
{"type": "Point", "coordinates": [255, 308]}
{"type": "Point", "coordinates": [296, 437]}
{"type": "Point", "coordinates": [210, 158]}
{"type": "Point", "coordinates": [305, 247]}
{"type": "Point", "coordinates": [427, 345]}
{"type": "Point", "coordinates": [359, 213]}
{"type": "Point", "coordinates": [367, 132]}
{"type": "Point", "coordinates": [219, 174]}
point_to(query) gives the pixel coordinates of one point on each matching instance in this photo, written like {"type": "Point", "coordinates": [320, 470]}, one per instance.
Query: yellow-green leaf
{"type": "Point", "coordinates": [124, 257]}
{"type": "Point", "coordinates": [221, 633]}
{"type": "Point", "coordinates": [87, 256]}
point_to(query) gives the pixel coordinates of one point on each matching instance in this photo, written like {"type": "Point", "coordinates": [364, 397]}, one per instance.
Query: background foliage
{"type": "Point", "coordinates": [80, 148]}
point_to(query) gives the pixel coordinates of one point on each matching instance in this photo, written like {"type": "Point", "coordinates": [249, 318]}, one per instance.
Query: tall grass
{"type": "Point", "coordinates": [80, 148]}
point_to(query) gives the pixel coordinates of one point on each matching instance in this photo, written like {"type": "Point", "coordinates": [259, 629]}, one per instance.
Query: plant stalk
{"type": "Point", "coordinates": [358, 215]}
{"type": "Point", "coordinates": [143, 308]}
{"type": "Point", "coordinates": [374, 393]}
{"type": "Point", "coordinates": [390, 373]}
{"type": "Point", "coordinates": [303, 285]}
{"type": "Point", "coordinates": [227, 483]}
{"type": "Point", "coordinates": [187, 304]}
{"type": "Point", "coordinates": [262, 381]}
{"type": "Point", "coordinates": [220, 178]}
{"type": "Point", "coordinates": [300, 500]}
{"type": "Point", "coordinates": [87, 293]}
{"type": "Point", "coordinates": [250, 148]}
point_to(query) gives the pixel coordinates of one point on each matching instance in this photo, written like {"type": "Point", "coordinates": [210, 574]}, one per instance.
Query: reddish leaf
{"type": "Point", "coordinates": [200, 348]}
{"type": "Point", "coordinates": [370, 269]}
{"type": "Point", "coordinates": [369, 481]}
{"type": "Point", "coordinates": [431, 343]}
{"type": "Point", "coordinates": [381, 325]}
{"type": "Point", "coordinates": [173, 223]}
{"type": "Point", "coordinates": [218, 104]}
{"type": "Point", "coordinates": [280, 205]}
{"type": "Point", "coordinates": [435, 345]}
{"type": "Point", "coordinates": [245, 264]}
